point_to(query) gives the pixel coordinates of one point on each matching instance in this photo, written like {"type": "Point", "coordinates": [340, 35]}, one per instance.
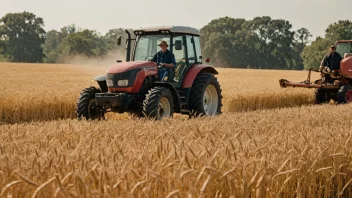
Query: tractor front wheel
{"type": "Point", "coordinates": [158, 103]}
{"type": "Point", "coordinates": [344, 95]}
{"type": "Point", "coordinates": [86, 106]}
{"type": "Point", "coordinates": [205, 98]}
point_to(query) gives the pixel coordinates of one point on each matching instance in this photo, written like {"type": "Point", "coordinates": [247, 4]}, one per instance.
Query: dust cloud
{"type": "Point", "coordinates": [103, 61]}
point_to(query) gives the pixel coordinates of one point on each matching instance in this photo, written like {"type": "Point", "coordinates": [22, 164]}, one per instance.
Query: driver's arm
{"type": "Point", "coordinates": [154, 58]}
{"type": "Point", "coordinates": [324, 62]}
{"type": "Point", "coordinates": [173, 62]}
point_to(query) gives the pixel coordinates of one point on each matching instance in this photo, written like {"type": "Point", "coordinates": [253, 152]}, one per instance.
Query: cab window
{"type": "Point", "coordinates": [198, 50]}
{"type": "Point", "coordinates": [190, 50]}
{"type": "Point", "coordinates": [180, 57]}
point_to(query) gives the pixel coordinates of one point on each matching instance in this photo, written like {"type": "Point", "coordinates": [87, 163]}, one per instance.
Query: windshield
{"type": "Point", "coordinates": [343, 48]}
{"type": "Point", "coordinates": [147, 46]}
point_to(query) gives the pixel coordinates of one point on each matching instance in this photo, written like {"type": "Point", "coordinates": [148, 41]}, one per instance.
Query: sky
{"type": "Point", "coordinates": [102, 15]}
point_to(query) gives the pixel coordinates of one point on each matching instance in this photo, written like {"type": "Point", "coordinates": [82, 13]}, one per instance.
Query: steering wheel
{"type": "Point", "coordinates": [148, 58]}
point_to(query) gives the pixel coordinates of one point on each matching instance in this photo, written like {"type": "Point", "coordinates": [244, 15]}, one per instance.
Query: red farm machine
{"type": "Point", "coordinates": [333, 85]}
{"type": "Point", "coordinates": [133, 86]}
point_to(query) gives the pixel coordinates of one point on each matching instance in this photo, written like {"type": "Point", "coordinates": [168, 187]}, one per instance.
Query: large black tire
{"type": "Point", "coordinates": [320, 96]}
{"type": "Point", "coordinates": [344, 95]}
{"type": "Point", "coordinates": [158, 103]}
{"type": "Point", "coordinates": [86, 107]}
{"type": "Point", "coordinates": [204, 86]}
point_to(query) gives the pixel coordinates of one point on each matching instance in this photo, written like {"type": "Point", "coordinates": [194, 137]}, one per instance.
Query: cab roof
{"type": "Point", "coordinates": [343, 41]}
{"type": "Point", "coordinates": [171, 29]}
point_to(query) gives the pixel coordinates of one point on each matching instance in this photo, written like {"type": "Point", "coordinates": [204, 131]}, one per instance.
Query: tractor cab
{"type": "Point", "coordinates": [184, 43]}
{"type": "Point", "coordinates": [134, 85]}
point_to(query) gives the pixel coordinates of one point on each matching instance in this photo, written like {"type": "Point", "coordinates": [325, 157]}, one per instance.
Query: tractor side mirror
{"type": "Point", "coordinates": [119, 40]}
{"type": "Point", "coordinates": [178, 45]}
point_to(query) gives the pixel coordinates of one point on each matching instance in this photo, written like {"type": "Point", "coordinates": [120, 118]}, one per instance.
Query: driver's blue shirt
{"type": "Point", "coordinates": [167, 57]}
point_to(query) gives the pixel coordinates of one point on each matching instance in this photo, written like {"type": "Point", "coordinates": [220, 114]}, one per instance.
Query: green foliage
{"type": "Point", "coordinates": [22, 35]}
{"type": "Point", "coordinates": [313, 54]}
{"type": "Point", "coordinates": [50, 46]}
{"type": "Point", "coordinates": [111, 38]}
{"type": "Point", "coordinates": [262, 43]}
{"type": "Point", "coordinates": [339, 31]}
{"type": "Point", "coordinates": [86, 42]}
{"type": "Point", "coordinates": [71, 41]}
{"type": "Point", "coordinates": [53, 46]}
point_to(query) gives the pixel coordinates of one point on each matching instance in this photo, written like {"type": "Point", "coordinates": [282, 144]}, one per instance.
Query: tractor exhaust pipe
{"type": "Point", "coordinates": [128, 50]}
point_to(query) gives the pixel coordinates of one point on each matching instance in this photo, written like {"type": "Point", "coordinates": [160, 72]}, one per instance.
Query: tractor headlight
{"type": "Point", "coordinates": [109, 83]}
{"type": "Point", "coordinates": [122, 83]}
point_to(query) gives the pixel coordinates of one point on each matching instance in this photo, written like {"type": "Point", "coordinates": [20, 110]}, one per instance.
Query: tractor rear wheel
{"type": "Point", "coordinates": [344, 95]}
{"type": "Point", "coordinates": [320, 96]}
{"type": "Point", "coordinates": [86, 106]}
{"type": "Point", "coordinates": [205, 97]}
{"type": "Point", "coordinates": [158, 103]}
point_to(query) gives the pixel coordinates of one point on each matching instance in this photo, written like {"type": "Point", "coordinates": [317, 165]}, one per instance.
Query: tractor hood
{"type": "Point", "coordinates": [126, 66]}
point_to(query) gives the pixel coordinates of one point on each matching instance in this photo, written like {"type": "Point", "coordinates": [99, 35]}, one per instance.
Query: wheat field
{"type": "Point", "coordinates": [269, 142]}
{"type": "Point", "coordinates": [42, 92]}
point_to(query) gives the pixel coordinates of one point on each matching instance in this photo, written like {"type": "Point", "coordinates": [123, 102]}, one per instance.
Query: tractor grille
{"type": "Point", "coordinates": [128, 75]}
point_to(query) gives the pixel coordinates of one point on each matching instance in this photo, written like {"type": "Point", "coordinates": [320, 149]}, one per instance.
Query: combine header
{"type": "Point", "coordinates": [333, 85]}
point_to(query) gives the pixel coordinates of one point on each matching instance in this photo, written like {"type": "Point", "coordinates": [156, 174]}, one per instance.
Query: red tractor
{"type": "Point", "coordinates": [333, 85]}
{"type": "Point", "coordinates": [134, 86]}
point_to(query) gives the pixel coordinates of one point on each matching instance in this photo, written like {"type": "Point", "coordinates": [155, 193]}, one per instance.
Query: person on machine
{"type": "Point", "coordinates": [166, 59]}
{"type": "Point", "coordinates": [331, 60]}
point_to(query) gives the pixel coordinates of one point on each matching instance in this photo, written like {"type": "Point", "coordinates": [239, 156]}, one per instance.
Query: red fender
{"type": "Point", "coordinates": [346, 67]}
{"type": "Point", "coordinates": [193, 72]}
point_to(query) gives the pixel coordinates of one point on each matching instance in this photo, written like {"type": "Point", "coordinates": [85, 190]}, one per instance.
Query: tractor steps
{"type": "Point", "coordinates": [182, 96]}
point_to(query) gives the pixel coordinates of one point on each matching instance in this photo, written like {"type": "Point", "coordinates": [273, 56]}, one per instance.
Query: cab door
{"type": "Point", "coordinates": [193, 55]}
{"type": "Point", "coordinates": [180, 57]}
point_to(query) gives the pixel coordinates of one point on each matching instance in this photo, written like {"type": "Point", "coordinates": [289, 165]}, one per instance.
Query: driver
{"type": "Point", "coordinates": [332, 59]}
{"type": "Point", "coordinates": [166, 59]}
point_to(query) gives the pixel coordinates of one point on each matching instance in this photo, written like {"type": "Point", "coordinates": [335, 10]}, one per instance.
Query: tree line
{"type": "Point", "coordinates": [260, 43]}
{"type": "Point", "coordinates": [266, 43]}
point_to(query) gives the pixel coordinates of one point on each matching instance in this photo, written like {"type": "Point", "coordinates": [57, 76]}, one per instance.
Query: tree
{"type": "Point", "coordinates": [51, 46]}
{"type": "Point", "coordinates": [274, 42]}
{"type": "Point", "coordinates": [259, 28]}
{"type": "Point", "coordinates": [54, 48]}
{"type": "Point", "coordinates": [313, 54]}
{"type": "Point", "coordinates": [217, 40]}
{"type": "Point", "coordinates": [339, 31]}
{"type": "Point", "coordinates": [281, 39]}
{"type": "Point", "coordinates": [259, 43]}
{"type": "Point", "coordinates": [111, 38]}
{"type": "Point", "coordinates": [22, 35]}
{"type": "Point", "coordinates": [302, 36]}
{"type": "Point", "coordinates": [86, 42]}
